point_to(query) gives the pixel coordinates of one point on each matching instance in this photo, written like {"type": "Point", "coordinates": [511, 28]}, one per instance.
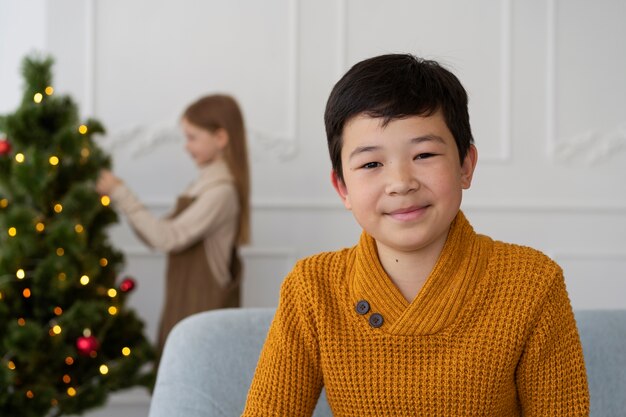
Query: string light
{"type": "Point", "coordinates": [58, 310]}
{"type": "Point", "coordinates": [84, 280]}
{"type": "Point", "coordinates": [67, 379]}
{"type": "Point", "coordinates": [82, 129]}
{"type": "Point", "coordinates": [21, 322]}
{"type": "Point", "coordinates": [20, 274]}
{"type": "Point", "coordinates": [112, 310]}
{"type": "Point", "coordinates": [54, 160]}
{"type": "Point", "coordinates": [26, 293]}
{"type": "Point", "coordinates": [12, 231]}
{"type": "Point", "coordinates": [37, 98]}
{"type": "Point", "coordinates": [126, 351]}
{"type": "Point", "coordinates": [79, 228]}
{"type": "Point", "coordinates": [71, 392]}
{"type": "Point", "coordinates": [49, 90]}
{"type": "Point", "coordinates": [84, 152]}
{"type": "Point", "coordinates": [60, 251]}
{"type": "Point", "coordinates": [30, 394]}
{"type": "Point", "coordinates": [40, 227]}
{"type": "Point", "coordinates": [11, 365]}
{"type": "Point", "coordinates": [58, 208]}
{"type": "Point", "coordinates": [104, 262]}
{"type": "Point", "coordinates": [105, 200]}
{"type": "Point", "coordinates": [61, 276]}
{"type": "Point", "coordinates": [69, 360]}
{"type": "Point", "coordinates": [4, 203]}
{"type": "Point", "coordinates": [104, 369]}
{"type": "Point", "coordinates": [19, 157]}
{"type": "Point", "coordinates": [56, 329]}
{"type": "Point", "coordinates": [112, 292]}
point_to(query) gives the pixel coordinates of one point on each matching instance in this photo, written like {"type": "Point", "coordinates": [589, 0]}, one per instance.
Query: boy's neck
{"type": "Point", "coordinates": [409, 270]}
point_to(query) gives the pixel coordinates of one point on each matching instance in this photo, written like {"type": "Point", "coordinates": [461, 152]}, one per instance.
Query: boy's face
{"type": "Point", "coordinates": [403, 182]}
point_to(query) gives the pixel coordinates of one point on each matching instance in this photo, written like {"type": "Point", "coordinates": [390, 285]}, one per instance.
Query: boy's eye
{"type": "Point", "coordinates": [370, 165]}
{"type": "Point", "coordinates": [425, 155]}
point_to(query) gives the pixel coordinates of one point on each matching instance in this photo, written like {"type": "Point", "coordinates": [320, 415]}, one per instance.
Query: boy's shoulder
{"type": "Point", "coordinates": [325, 263]}
{"type": "Point", "coordinates": [523, 264]}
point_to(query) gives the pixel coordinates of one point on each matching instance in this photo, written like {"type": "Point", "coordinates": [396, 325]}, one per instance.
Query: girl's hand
{"type": "Point", "coordinates": [107, 182]}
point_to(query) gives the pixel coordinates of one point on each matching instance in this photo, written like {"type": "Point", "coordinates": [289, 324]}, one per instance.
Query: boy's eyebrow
{"type": "Point", "coordinates": [419, 139]}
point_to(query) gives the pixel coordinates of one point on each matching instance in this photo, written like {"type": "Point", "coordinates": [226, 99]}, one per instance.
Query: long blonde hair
{"type": "Point", "coordinates": [220, 111]}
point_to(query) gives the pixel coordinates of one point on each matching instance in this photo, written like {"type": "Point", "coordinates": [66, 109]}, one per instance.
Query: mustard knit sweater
{"type": "Point", "coordinates": [491, 333]}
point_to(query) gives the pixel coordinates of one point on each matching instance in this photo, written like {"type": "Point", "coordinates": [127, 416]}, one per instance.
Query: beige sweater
{"type": "Point", "coordinates": [213, 217]}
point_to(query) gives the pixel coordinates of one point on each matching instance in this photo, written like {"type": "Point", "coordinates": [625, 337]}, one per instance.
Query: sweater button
{"type": "Point", "coordinates": [362, 307]}
{"type": "Point", "coordinates": [376, 320]}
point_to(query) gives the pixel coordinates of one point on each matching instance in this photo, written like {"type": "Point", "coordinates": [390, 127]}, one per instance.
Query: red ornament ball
{"type": "Point", "coordinates": [86, 345]}
{"type": "Point", "coordinates": [127, 284]}
{"type": "Point", "coordinates": [5, 147]}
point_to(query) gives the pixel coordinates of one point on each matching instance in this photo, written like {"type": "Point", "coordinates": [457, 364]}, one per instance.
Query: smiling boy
{"type": "Point", "coordinates": [423, 316]}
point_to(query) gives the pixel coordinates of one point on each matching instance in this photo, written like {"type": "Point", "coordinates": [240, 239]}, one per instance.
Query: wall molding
{"type": "Point", "coordinates": [492, 206]}
{"type": "Point", "coordinates": [247, 252]}
{"type": "Point", "coordinates": [284, 145]}
{"type": "Point", "coordinates": [595, 256]}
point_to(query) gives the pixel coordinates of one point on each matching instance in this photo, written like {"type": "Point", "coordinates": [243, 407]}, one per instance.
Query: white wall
{"type": "Point", "coordinates": [546, 86]}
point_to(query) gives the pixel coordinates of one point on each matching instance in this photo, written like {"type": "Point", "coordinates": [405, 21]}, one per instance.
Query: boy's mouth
{"type": "Point", "coordinates": [408, 213]}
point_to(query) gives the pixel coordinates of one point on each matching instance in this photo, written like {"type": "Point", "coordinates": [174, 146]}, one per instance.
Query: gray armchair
{"type": "Point", "coordinates": [209, 360]}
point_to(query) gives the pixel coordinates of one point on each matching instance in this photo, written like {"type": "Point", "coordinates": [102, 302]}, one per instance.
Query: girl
{"type": "Point", "coordinates": [211, 218]}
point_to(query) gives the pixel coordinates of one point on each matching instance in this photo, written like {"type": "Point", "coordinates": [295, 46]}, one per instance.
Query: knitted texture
{"type": "Point", "coordinates": [491, 333]}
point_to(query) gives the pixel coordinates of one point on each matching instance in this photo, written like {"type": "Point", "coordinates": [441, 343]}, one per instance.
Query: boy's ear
{"type": "Point", "coordinates": [341, 189]}
{"type": "Point", "coordinates": [468, 167]}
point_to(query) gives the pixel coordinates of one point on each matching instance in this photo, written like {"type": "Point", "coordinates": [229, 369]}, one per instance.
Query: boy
{"type": "Point", "coordinates": [423, 317]}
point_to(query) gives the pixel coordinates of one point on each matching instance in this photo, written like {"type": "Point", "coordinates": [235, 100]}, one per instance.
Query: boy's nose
{"type": "Point", "coordinates": [401, 180]}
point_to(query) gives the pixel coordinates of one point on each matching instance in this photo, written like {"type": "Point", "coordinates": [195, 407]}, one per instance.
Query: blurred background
{"type": "Point", "coordinates": [547, 104]}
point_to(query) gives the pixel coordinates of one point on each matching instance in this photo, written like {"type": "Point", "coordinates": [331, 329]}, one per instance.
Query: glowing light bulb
{"type": "Point", "coordinates": [19, 157]}
{"type": "Point", "coordinates": [20, 274]}
{"type": "Point", "coordinates": [84, 280]}
{"type": "Point", "coordinates": [67, 379]}
{"type": "Point", "coordinates": [11, 365]}
{"type": "Point", "coordinates": [104, 262]}
{"type": "Point", "coordinates": [21, 321]}
{"type": "Point", "coordinates": [49, 90]}
{"type": "Point", "coordinates": [60, 251]}
{"type": "Point", "coordinates": [112, 292]}
{"type": "Point", "coordinates": [112, 310]}
{"type": "Point", "coordinates": [61, 276]}
{"type": "Point", "coordinates": [79, 228]}
{"type": "Point", "coordinates": [56, 329]}
{"type": "Point", "coordinates": [37, 98]}
{"type": "Point", "coordinates": [126, 351]}
{"type": "Point", "coordinates": [104, 369]}
{"type": "Point", "coordinates": [54, 160]}
{"type": "Point", "coordinates": [30, 394]}
{"type": "Point", "coordinates": [82, 129]}
{"type": "Point", "coordinates": [58, 310]}
{"type": "Point", "coordinates": [4, 203]}
{"type": "Point", "coordinates": [12, 231]}
{"type": "Point", "coordinates": [71, 392]}
{"type": "Point", "coordinates": [58, 208]}
{"type": "Point", "coordinates": [69, 360]}
{"type": "Point", "coordinates": [105, 200]}
{"type": "Point", "coordinates": [26, 293]}
{"type": "Point", "coordinates": [40, 227]}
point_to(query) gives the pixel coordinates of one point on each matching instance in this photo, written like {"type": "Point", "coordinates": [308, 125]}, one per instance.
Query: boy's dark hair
{"type": "Point", "coordinates": [392, 87]}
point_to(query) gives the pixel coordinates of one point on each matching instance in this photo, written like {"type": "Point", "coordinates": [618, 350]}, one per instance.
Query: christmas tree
{"type": "Point", "coordinates": [66, 338]}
